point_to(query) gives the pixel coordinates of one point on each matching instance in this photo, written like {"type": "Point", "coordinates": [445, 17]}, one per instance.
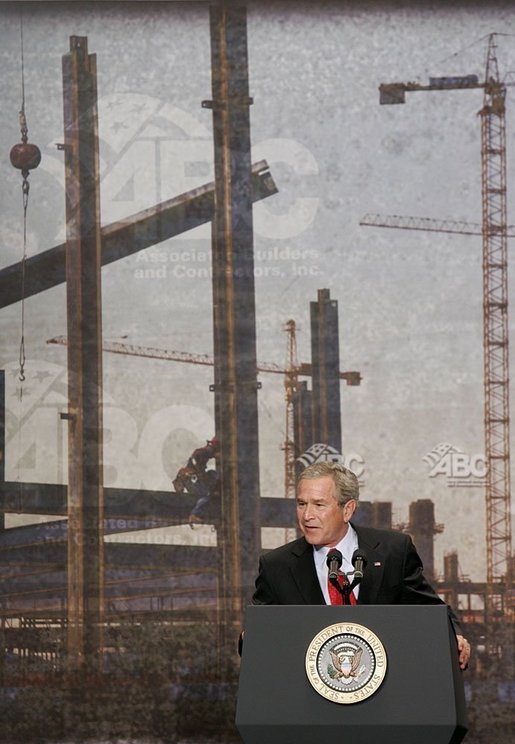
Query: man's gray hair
{"type": "Point", "coordinates": [346, 482]}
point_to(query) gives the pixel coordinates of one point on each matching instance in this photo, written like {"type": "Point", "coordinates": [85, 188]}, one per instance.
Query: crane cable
{"type": "Point", "coordinates": [24, 156]}
{"type": "Point", "coordinates": [25, 200]}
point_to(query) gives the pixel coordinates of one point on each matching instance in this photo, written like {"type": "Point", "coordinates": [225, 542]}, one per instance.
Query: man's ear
{"type": "Point", "coordinates": [349, 508]}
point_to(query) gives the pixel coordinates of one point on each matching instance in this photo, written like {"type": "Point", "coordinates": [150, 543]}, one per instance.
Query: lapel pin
{"type": "Point", "coordinates": [377, 563]}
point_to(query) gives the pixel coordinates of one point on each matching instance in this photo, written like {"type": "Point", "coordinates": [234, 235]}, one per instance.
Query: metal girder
{"type": "Point", "coordinates": [325, 353]}
{"type": "Point", "coordinates": [33, 579]}
{"type": "Point", "coordinates": [128, 236]}
{"type": "Point", "coordinates": [132, 509]}
{"type": "Point", "coordinates": [149, 507]}
{"type": "Point", "coordinates": [2, 441]}
{"type": "Point", "coordinates": [118, 583]}
{"type": "Point", "coordinates": [118, 556]}
{"type": "Point", "coordinates": [234, 320]}
{"type": "Point", "coordinates": [84, 316]}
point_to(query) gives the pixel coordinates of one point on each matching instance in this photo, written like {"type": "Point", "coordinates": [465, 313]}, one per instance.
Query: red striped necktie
{"type": "Point", "coordinates": [337, 597]}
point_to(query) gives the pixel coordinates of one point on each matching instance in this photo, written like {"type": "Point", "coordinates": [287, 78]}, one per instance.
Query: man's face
{"type": "Point", "coordinates": [321, 519]}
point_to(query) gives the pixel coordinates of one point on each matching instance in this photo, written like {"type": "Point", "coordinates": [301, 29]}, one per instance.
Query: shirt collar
{"type": "Point", "coordinates": [347, 545]}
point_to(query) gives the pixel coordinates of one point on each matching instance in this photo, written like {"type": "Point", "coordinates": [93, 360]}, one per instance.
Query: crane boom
{"type": "Point", "coordinates": [427, 224]}
{"type": "Point", "coordinates": [304, 369]}
{"type": "Point", "coordinates": [392, 93]}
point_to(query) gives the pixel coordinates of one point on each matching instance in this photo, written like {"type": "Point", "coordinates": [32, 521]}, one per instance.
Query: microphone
{"type": "Point", "coordinates": [334, 561]}
{"type": "Point", "coordinates": [359, 561]}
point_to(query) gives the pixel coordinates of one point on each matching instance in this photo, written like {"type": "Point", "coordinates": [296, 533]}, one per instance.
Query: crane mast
{"type": "Point", "coordinates": [495, 232]}
{"type": "Point", "coordinates": [495, 332]}
{"type": "Point", "coordinates": [291, 383]}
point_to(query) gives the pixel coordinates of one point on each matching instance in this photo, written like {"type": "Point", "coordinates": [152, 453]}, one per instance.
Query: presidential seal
{"type": "Point", "coordinates": [346, 663]}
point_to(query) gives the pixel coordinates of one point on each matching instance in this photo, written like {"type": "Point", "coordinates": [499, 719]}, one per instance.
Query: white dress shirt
{"type": "Point", "coordinates": [346, 546]}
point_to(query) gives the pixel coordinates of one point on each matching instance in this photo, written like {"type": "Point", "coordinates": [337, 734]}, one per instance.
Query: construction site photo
{"type": "Point", "coordinates": [239, 238]}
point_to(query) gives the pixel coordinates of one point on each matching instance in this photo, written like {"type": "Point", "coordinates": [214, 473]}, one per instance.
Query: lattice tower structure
{"type": "Point", "coordinates": [495, 331]}
{"type": "Point", "coordinates": [291, 383]}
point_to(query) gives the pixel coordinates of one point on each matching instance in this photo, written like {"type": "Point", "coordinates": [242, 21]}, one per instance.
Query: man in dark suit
{"type": "Point", "coordinates": [297, 573]}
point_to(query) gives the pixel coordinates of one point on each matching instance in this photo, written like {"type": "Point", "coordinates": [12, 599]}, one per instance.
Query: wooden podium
{"type": "Point", "coordinates": [417, 692]}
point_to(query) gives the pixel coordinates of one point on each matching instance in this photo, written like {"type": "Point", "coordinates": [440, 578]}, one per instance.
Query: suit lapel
{"type": "Point", "coordinates": [302, 567]}
{"type": "Point", "coordinates": [373, 574]}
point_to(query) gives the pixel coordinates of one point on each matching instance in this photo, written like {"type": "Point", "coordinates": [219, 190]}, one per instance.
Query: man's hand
{"type": "Point", "coordinates": [464, 651]}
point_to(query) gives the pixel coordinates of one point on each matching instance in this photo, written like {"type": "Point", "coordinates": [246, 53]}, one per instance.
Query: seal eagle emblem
{"type": "Point", "coordinates": [346, 663]}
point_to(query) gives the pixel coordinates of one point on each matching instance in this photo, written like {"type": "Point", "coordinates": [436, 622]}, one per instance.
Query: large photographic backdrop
{"type": "Point", "coordinates": [374, 211]}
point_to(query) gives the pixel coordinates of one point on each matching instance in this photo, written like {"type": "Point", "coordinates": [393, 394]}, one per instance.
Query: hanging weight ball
{"type": "Point", "coordinates": [25, 157]}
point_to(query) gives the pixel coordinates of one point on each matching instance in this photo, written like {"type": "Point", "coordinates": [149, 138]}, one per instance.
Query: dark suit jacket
{"type": "Point", "coordinates": [393, 574]}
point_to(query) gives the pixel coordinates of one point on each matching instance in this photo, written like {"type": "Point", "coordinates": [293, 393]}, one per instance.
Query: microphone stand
{"type": "Point", "coordinates": [345, 587]}
{"type": "Point", "coordinates": [356, 580]}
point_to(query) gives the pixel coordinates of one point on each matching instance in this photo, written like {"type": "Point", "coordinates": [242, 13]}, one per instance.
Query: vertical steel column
{"type": "Point", "coordinates": [234, 315]}
{"type": "Point", "coordinates": [83, 262]}
{"type": "Point", "coordinates": [2, 443]}
{"type": "Point", "coordinates": [423, 528]}
{"type": "Point", "coordinates": [325, 360]}
{"type": "Point", "coordinates": [303, 422]}
{"type": "Point", "coordinates": [2, 513]}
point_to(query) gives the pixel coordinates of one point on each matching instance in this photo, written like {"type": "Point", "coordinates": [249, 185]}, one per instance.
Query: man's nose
{"type": "Point", "coordinates": [309, 512]}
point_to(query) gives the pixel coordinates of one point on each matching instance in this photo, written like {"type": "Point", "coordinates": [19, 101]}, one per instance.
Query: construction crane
{"type": "Point", "coordinates": [494, 231]}
{"type": "Point", "coordinates": [291, 373]}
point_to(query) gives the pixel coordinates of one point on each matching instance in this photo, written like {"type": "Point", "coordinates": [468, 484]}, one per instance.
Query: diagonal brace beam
{"type": "Point", "coordinates": [128, 236]}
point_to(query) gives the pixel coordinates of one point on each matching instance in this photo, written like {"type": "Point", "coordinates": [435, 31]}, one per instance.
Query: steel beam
{"type": "Point", "coordinates": [84, 315]}
{"type": "Point", "coordinates": [33, 579]}
{"type": "Point", "coordinates": [131, 508]}
{"type": "Point", "coordinates": [235, 369]}
{"type": "Point", "coordinates": [325, 357]}
{"type": "Point", "coordinates": [302, 422]}
{"type": "Point", "coordinates": [53, 584]}
{"type": "Point", "coordinates": [128, 236]}
{"type": "Point", "coordinates": [125, 503]}
{"type": "Point", "coordinates": [2, 444]}
{"type": "Point", "coordinates": [119, 556]}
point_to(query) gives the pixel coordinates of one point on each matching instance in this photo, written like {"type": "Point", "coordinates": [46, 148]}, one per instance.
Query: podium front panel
{"type": "Point", "coordinates": [420, 700]}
